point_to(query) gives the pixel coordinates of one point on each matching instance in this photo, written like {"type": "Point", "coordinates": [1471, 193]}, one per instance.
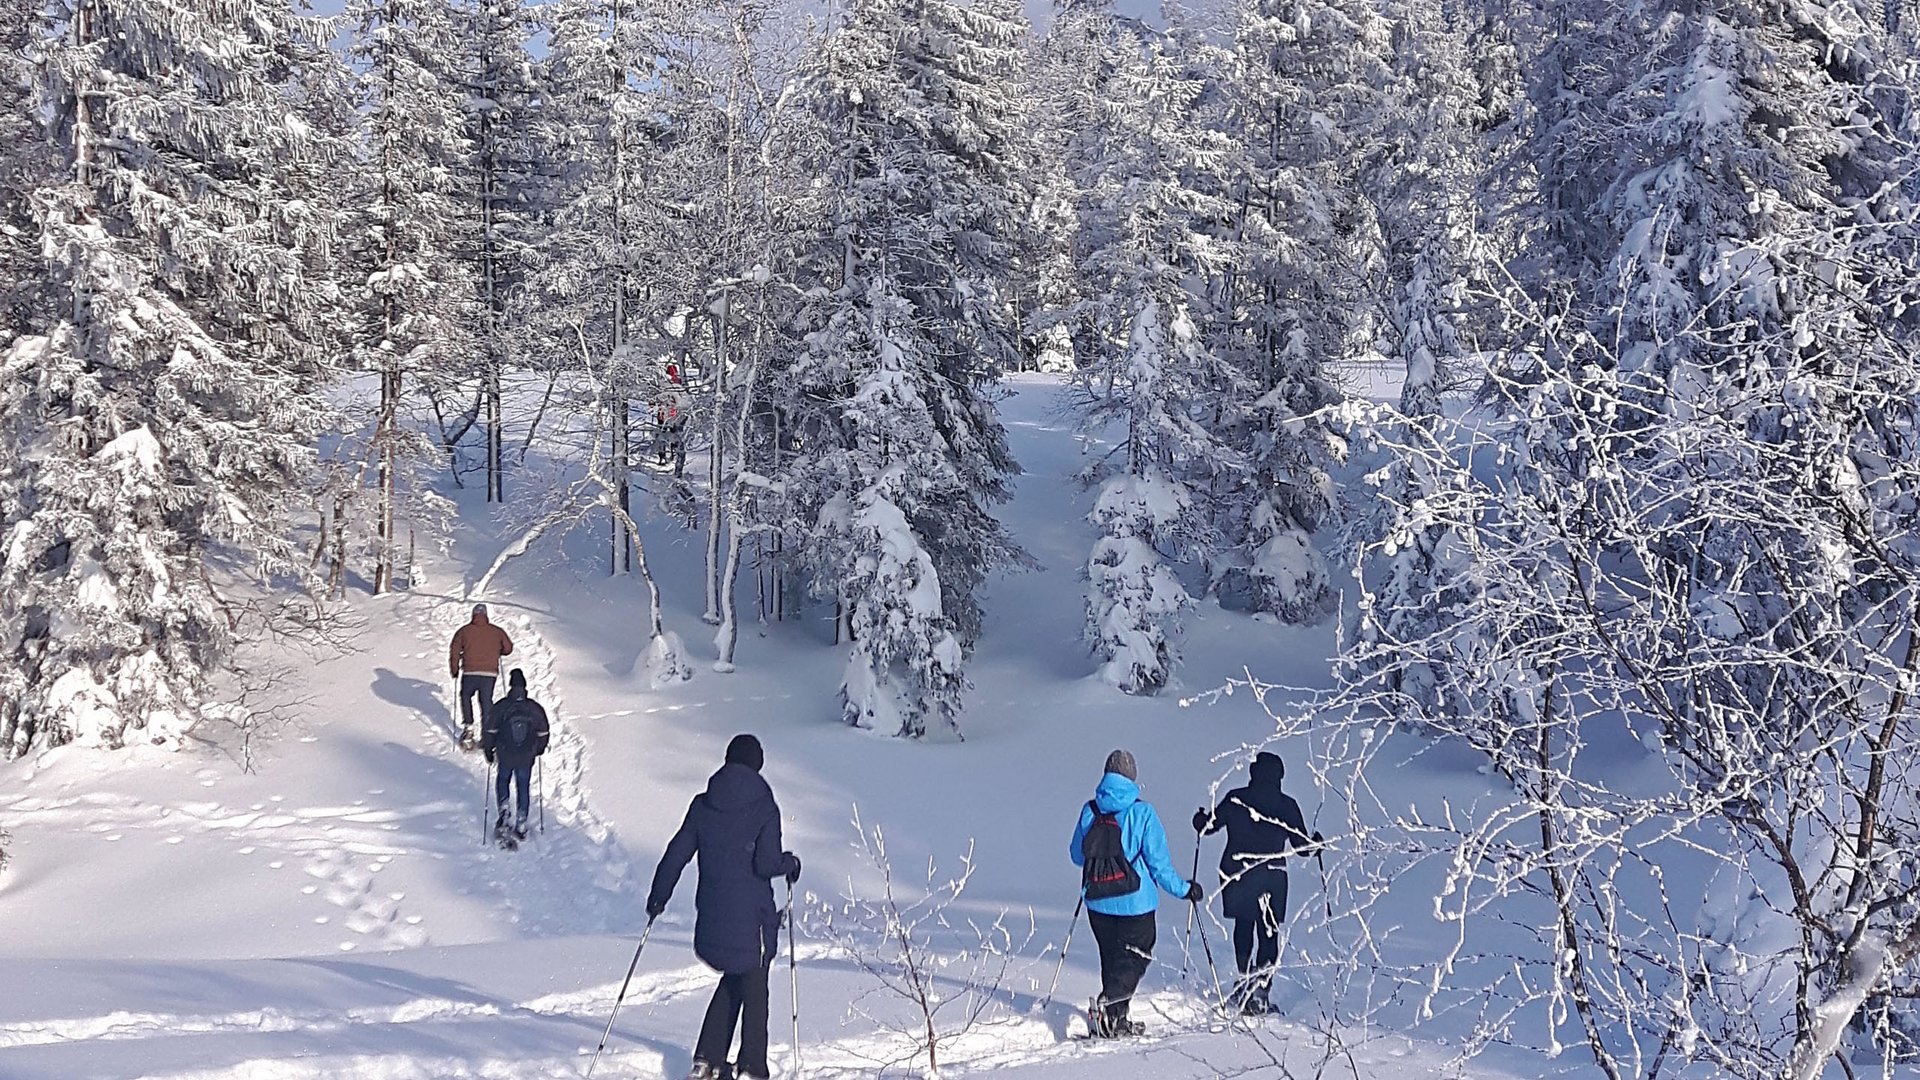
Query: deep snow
{"type": "Point", "coordinates": [335, 913]}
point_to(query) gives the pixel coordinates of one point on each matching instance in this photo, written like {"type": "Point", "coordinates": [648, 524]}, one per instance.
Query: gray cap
{"type": "Point", "coordinates": [1120, 761]}
{"type": "Point", "coordinates": [479, 609]}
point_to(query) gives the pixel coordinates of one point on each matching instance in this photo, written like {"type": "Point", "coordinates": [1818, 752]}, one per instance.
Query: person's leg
{"type": "Point", "coordinates": [1245, 932]}
{"type": "Point", "coordinates": [483, 684]}
{"type": "Point", "coordinates": [1106, 939]}
{"type": "Point", "coordinates": [502, 784]}
{"type": "Point", "coordinates": [716, 1032]}
{"type": "Point", "coordinates": [522, 775]}
{"type": "Point", "coordinates": [465, 692]}
{"type": "Point", "coordinates": [753, 1024]}
{"type": "Point", "coordinates": [1134, 936]}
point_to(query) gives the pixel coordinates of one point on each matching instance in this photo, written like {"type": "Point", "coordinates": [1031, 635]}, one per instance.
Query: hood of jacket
{"type": "Point", "coordinates": [1115, 793]}
{"type": "Point", "coordinates": [735, 788]}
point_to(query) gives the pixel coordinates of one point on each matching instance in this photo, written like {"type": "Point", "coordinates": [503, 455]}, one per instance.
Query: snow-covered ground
{"type": "Point", "coordinates": [335, 912]}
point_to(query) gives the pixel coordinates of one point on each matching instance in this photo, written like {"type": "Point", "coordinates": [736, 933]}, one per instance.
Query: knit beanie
{"type": "Point", "coordinates": [1120, 761]}
{"type": "Point", "coordinates": [516, 679]}
{"type": "Point", "coordinates": [745, 750]}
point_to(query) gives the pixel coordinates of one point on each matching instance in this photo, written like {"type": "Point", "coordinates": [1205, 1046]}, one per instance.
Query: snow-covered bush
{"type": "Point", "coordinates": [939, 974]}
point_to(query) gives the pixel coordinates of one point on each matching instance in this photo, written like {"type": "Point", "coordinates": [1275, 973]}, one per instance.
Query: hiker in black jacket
{"type": "Point", "coordinates": [734, 829]}
{"type": "Point", "coordinates": [515, 732]}
{"type": "Point", "coordinates": [1263, 825]}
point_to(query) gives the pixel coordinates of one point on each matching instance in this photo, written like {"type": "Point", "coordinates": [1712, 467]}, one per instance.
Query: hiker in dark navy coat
{"type": "Point", "coordinates": [1263, 826]}
{"type": "Point", "coordinates": [734, 830]}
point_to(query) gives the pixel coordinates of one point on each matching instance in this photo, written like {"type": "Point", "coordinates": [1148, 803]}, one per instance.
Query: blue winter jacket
{"type": "Point", "coordinates": [1141, 833]}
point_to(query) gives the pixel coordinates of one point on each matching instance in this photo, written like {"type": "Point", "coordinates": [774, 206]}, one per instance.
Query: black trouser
{"type": "Point", "coordinates": [1256, 941]}
{"type": "Point", "coordinates": [1126, 948]}
{"type": "Point", "coordinates": [740, 998]}
{"type": "Point", "coordinates": [471, 685]}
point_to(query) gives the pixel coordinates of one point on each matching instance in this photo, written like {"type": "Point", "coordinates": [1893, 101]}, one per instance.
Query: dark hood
{"type": "Point", "coordinates": [735, 788]}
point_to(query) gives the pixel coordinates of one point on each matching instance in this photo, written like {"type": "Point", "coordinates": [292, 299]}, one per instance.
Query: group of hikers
{"type": "Point", "coordinates": [732, 830]}
{"type": "Point", "coordinates": [513, 730]}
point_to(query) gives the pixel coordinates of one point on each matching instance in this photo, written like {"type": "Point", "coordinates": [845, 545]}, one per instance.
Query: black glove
{"type": "Point", "coordinates": [1318, 840]}
{"type": "Point", "coordinates": [793, 867]}
{"type": "Point", "coordinates": [654, 908]}
{"type": "Point", "coordinates": [1201, 819]}
{"type": "Point", "coordinates": [489, 754]}
{"type": "Point", "coordinates": [1195, 893]}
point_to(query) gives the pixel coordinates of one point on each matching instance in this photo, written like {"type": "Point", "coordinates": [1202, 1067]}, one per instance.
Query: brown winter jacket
{"type": "Point", "coordinates": [477, 649]}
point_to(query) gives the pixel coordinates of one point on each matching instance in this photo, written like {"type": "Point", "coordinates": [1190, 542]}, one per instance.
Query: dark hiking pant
{"type": "Point", "coordinates": [471, 685]}
{"type": "Point", "coordinates": [1126, 948]}
{"type": "Point", "coordinates": [1256, 942]}
{"type": "Point", "coordinates": [520, 772]}
{"type": "Point", "coordinates": [741, 998]}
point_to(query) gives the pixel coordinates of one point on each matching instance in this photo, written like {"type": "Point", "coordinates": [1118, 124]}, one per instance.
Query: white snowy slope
{"type": "Point", "coordinates": [335, 913]}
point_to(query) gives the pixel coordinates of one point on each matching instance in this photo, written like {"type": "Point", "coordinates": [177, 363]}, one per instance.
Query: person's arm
{"type": "Point", "coordinates": [487, 729]}
{"type": "Point", "coordinates": [1159, 859]}
{"type": "Point", "coordinates": [1080, 834]}
{"type": "Point", "coordinates": [541, 730]}
{"type": "Point", "coordinates": [770, 860]}
{"type": "Point", "coordinates": [506, 643]}
{"type": "Point", "coordinates": [1296, 826]}
{"type": "Point", "coordinates": [1207, 822]}
{"type": "Point", "coordinates": [673, 862]}
{"type": "Point", "coordinates": [456, 651]}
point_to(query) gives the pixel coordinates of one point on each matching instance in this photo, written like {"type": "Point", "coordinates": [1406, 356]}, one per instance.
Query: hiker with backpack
{"type": "Point", "coordinates": [473, 661]}
{"type": "Point", "coordinates": [734, 829]}
{"type": "Point", "coordinates": [1121, 848]}
{"type": "Point", "coordinates": [515, 734]}
{"type": "Point", "coordinates": [1264, 825]}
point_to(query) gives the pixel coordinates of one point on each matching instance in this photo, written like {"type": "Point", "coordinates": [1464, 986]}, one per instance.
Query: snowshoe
{"type": "Point", "coordinates": [504, 836]}
{"type": "Point", "coordinates": [703, 1071]}
{"type": "Point", "coordinates": [1257, 1006]}
{"type": "Point", "coordinates": [467, 741]}
{"type": "Point", "coordinates": [1101, 1026]}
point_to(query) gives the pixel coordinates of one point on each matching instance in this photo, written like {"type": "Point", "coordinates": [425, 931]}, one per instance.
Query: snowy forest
{"type": "Point", "coordinates": [1638, 536]}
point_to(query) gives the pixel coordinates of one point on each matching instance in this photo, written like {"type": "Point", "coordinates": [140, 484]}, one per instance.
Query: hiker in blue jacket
{"type": "Point", "coordinates": [1123, 925]}
{"type": "Point", "coordinates": [733, 828]}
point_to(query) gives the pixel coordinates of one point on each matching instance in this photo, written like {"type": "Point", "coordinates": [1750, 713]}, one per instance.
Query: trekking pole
{"type": "Point", "coordinates": [793, 978]}
{"type": "Point", "coordinates": [607, 1034]}
{"type": "Point", "coordinates": [486, 778]}
{"type": "Point", "coordinates": [1193, 912]}
{"type": "Point", "coordinates": [540, 791]}
{"type": "Point", "coordinates": [1055, 984]}
{"type": "Point", "coordinates": [1320, 856]}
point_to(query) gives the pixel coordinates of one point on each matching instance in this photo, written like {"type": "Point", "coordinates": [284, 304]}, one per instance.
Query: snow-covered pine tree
{"type": "Point", "coordinates": [157, 426]}
{"type": "Point", "coordinates": [1304, 98]}
{"type": "Point", "coordinates": [502, 107]}
{"type": "Point", "coordinates": [418, 312]}
{"type": "Point", "coordinates": [1154, 385]}
{"type": "Point", "coordinates": [901, 453]}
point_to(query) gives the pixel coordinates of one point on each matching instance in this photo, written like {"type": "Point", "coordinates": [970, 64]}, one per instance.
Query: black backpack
{"type": "Point", "coordinates": [1105, 870]}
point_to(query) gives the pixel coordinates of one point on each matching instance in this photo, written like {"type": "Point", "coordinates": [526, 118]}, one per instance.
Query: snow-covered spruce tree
{"type": "Point", "coordinates": [157, 425]}
{"type": "Point", "coordinates": [1303, 98]}
{"type": "Point", "coordinates": [1425, 190]}
{"type": "Point", "coordinates": [418, 308]}
{"type": "Point", "coordinates": [1154, 384]}
{"type": "Point", "coordinates": [26, 163]}
{"type": "Point", "coordinates": [502, 182]}
{"type": "Point", "coordinates": [1693, 552]}
{"type": "Point", "coordinates": [900, 453]}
